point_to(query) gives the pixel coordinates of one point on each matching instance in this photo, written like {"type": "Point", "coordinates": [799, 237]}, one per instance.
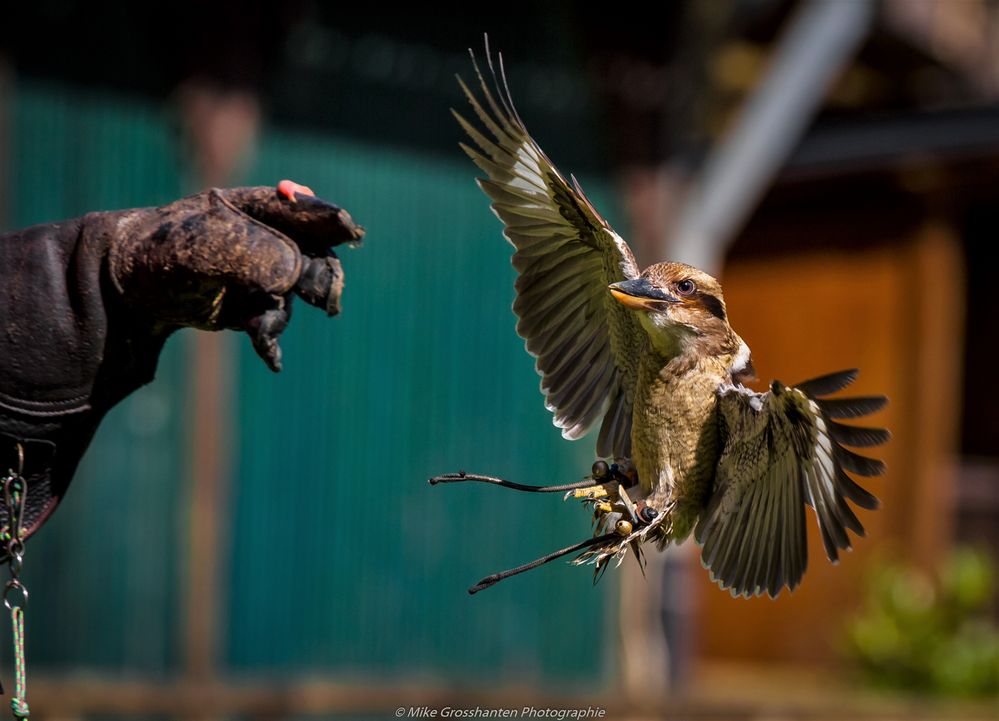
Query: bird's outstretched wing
{"type": "Point", "coordinates": [782, 450]}
{"type": "Point", "coordinates": [566, 256]}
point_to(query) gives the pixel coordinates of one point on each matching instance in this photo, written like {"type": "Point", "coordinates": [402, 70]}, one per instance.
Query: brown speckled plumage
{"type": "Point", "coordinates": [675, 441]}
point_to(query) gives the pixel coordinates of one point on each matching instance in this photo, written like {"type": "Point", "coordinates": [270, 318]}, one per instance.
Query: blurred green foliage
{"type": "Point", "coordinates": [930, 634]}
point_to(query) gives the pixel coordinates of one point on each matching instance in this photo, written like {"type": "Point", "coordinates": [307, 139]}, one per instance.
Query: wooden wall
{"type": "Point", "coordinates": [891, 304]}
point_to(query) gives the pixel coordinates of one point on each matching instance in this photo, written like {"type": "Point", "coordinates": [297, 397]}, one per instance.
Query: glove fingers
{"type": "Point", "coordinates": [321, 283]}
{"type": "Point", "coordinates": [194, 262]}
{"type": "Point", "coordinates": [231, 259]}
{"type": "Point", "coordinates": [264, 330]}
{"type": "Point", "coordinates": [315, 225]}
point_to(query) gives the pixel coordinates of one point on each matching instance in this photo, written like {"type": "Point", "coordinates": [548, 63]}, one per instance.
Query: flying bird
{"type": "Point", "coordinates": [650, 357]}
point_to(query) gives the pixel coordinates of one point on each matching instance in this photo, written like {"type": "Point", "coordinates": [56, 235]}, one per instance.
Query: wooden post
{"type": "Point", "coordinates": [222, 128]}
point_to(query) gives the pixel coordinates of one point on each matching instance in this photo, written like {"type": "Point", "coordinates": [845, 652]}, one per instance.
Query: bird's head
{"type": "Point", "coordinates": [677, 305]}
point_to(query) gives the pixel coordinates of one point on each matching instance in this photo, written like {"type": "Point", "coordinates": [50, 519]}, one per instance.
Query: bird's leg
{"type": "Point", "coordinates": [592, 493]}
{"type": "Point", "coordinates": [610, 495]}
{"type": "Point", "coordinates": [601, 496]}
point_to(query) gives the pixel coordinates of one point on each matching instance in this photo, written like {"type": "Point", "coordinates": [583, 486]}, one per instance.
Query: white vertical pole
{"type": "Point", "coordinates": [819, 41]}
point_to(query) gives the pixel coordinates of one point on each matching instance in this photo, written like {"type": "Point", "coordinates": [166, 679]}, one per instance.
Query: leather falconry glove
{"type": "Point", "coordinates": [87, 304]}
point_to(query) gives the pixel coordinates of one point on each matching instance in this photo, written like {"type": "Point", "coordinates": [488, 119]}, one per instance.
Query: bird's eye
{"type": "Point", "coordinates": [685, 287]}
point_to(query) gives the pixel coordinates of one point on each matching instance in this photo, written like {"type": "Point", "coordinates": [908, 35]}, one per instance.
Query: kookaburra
{"type": "Point", "coordinates": [650, 357]}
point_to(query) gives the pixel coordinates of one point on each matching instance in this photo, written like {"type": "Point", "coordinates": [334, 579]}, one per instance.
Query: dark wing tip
{"type": "Point", "coordinates": [829, 383]}
{"type": "Point", "coordinates": [852, 407]}
{"type": "Point", "coordinates": [857, 436]}
{"type": "Point", "coordinates": [847, 435]}
{"type": "Point", "coordinates": [755, 590]}
{"type": "Point", "coordinates": [861, 465]}
{"type": "Point", "coordinates": [854, 492]}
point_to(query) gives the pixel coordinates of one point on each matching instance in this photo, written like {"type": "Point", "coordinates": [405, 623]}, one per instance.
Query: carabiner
{"type": "Point", "coordinates": [14, 585]}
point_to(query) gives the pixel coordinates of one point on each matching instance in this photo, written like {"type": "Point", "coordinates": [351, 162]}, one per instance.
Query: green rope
{"type": "Point", "coordinates": [19, 702]}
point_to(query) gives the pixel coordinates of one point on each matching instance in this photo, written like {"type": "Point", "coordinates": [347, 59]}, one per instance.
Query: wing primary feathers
{"type": "Point", "coordinates": [565, 255]}
{"type": "Point", "coordinates": [554, 337]}
{"type": "Point", "coordinates": [782, 451]}
{"type": "Point", "coordinates": [487, 94]}
{"type": "Point", "coordinates": [512, 177]}
{"type": "Point", "coordinates": [486, 119]}
{"type": "Point", "coordinates": [582, 196]}
{"type": "Point", "coordinates": [849, 488]}
{"type": "Point", "coordinates": [615, 433]}
{"type": "Point", "coordinates": [492, 71]}
{"type": "Point", "coordinates": [764, 511]}
{"type": "Point", "coordinates": [857, 436]}
{"type": "Point", "coordinates": [506, 87]}
{"type": "Point", "coordinates": [828, 528]}
{"type": "Point", "coordinates": [503, 90]}
{"type": "Point", "coordinates": [495, 152]}
{"type": "Point", "coordinates": [510, 195]}
{"type": "Point", "coordinates": [846, 515]}
{"type": "Point", "coordinates": [830, 383]}
{"type": "Point", "coordinates": [583, 356]}
{"type": "Point", "coordinates": [852, 407]}
{"type": "Point", "coordinates": [861, 465]}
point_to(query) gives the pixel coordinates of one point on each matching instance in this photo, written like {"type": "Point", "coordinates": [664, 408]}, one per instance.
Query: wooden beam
{"type": "Point", "coordinates": [937, 311]}
{"type": "Point", "coordinates": [211, 390]}
{"type": "Point", "coordinates": [265, 698]}
{"type": "Point", "coordinates": [733, 693]}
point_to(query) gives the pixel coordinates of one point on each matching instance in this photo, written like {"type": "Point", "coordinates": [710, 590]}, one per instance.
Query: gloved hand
{"type": "Point", "coordinates": [87, 304]}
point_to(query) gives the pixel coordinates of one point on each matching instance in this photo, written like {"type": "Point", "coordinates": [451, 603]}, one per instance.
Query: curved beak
{"type": "Point", "coordinates": [641, 294]}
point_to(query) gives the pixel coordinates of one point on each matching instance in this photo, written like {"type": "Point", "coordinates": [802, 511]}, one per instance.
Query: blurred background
{"type": "Point", "coordinates": [240, 545]}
